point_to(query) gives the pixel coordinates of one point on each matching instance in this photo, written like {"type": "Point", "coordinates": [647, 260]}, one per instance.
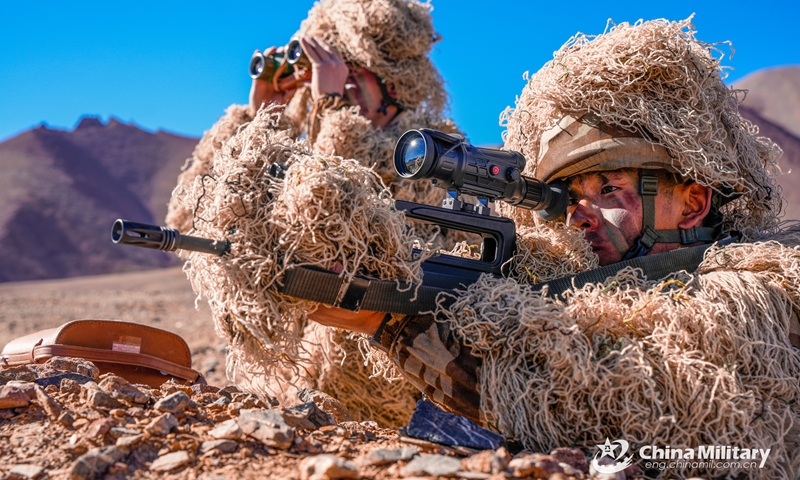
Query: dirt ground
{"type": "Point", "coordinates": [162, 298]}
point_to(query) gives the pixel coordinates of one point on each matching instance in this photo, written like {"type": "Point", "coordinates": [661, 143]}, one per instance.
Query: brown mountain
{"type": "Point", "coordinates": [774, 93]}
{"type": "Point", "coordinates": [773, 103]}
{"type": "Point", "coordinates": [61, 191]}
{"type": "Point", "coordinates": [789, 179]}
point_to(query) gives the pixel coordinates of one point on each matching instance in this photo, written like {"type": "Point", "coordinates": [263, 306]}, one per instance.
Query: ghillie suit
{"type": "Point", "coordinates": [391, 38]}
{"type": "Point", "coordinates": [326, 211]}
{"type": "Point", "coordinates": [694, 359]}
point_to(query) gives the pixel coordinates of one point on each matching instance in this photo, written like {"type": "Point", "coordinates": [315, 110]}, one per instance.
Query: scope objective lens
{"type": "Point", "coordinates": [413, 153]}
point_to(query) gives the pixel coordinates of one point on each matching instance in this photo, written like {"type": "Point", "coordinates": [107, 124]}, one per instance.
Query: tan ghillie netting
{"type": "Point", "coordinates": [327, 211]}
{"type": "Point", "coordinates": [391, 38]}
{"type": "Point", "coordinates": [548, 252]}
{"type": "Point", "coordinates": [655, 78]}
{"type": "Point", "coordinates": [351, 135]}
{"type": "Point", "coordinates": [696, 359]}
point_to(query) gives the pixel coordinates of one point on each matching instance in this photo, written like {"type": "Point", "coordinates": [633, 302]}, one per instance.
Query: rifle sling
{"type": "Point", "coordinates": [329, 288]}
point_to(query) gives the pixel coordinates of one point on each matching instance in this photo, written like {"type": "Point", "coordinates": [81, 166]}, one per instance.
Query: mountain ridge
{"type": "Point", "coordinates": [63, 190]}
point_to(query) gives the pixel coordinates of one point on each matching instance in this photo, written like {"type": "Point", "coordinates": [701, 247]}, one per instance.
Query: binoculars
{"type": "Point", "coordinates": [280, 65]}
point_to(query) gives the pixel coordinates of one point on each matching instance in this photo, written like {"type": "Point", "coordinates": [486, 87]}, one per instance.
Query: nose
{"type": "Point", "coordinates": [584, 216]}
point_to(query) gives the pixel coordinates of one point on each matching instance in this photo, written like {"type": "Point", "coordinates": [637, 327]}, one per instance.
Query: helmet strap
{"type": "Point", "coordinates": [648, 189]}
{"type": "Point", "coordinates": [387, 99]}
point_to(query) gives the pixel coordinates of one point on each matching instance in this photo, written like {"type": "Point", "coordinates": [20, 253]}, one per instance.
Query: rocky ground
{"type": "Point", "coordinates": [62, 420]}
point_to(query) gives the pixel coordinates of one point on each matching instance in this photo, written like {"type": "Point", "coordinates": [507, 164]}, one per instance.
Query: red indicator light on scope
{"type": "Point", "coordinates": [495, 170]}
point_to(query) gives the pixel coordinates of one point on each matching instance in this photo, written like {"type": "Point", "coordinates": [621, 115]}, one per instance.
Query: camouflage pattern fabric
{"type": "Point", "coordinates": [434, 361]}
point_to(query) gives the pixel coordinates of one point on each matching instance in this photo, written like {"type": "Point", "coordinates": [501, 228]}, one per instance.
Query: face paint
{"type": "Point", "coordinates": [615, 216]}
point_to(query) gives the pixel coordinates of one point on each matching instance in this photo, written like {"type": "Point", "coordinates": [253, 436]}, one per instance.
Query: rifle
{"type": "Point", "coordinates": [450, 162]}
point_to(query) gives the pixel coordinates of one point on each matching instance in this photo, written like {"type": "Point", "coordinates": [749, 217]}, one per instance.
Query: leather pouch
{"type": "Point", "coordinates": [137, 353]}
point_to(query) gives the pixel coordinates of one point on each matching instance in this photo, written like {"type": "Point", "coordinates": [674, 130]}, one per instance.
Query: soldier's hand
{"type": "Point", "coordinates": [329, 72]}
{"type": "Point", "coordinates": [263, 92]}
{"type": "Point", "coordinates": [362, 321]}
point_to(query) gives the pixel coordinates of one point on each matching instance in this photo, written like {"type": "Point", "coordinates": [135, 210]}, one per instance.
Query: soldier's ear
{"type": "Point", "coordinates": [696, 204]}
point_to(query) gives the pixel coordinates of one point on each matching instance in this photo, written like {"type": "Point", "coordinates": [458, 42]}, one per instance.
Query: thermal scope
{"type": "Point", "coordinates": [487, 173]}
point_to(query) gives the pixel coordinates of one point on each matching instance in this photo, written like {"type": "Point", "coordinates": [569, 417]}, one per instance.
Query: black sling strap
{"type": "Point", "coordinates": [384, 296]}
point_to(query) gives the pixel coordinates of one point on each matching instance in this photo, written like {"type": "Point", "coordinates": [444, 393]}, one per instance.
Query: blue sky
{"type": "Point", "coordinates": [176, 65]}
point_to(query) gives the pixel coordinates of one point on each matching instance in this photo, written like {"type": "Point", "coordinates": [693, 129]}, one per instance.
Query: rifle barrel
{"type": "Point", "coordinates": [167, 239]}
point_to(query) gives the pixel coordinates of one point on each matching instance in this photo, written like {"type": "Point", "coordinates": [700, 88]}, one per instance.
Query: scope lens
{"type": "Point", "coordinates": [413, 153]}
{"type": "Point", "coordinates": [295, 51]}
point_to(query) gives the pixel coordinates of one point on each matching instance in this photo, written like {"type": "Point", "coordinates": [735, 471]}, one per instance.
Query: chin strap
{"type": "Point", "coordinates": [648, 189]}
{"type": "Point", "coordinates": [387, 99]}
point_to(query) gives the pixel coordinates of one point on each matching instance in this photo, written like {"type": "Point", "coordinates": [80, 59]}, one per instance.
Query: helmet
{"type": "Point", "coordinates": [391, 38]}
{"type": "Point", "coordinates": [649, 96]}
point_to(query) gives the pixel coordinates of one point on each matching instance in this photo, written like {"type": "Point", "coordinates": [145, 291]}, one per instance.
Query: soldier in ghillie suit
{"type": "Point", "coordinates": [640, 125]}
{"type": "Point", "coordinates": [371, 81]}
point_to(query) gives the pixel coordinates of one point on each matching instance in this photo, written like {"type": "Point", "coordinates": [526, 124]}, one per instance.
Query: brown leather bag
{"type": "Point", "coordinates": [138, 353]}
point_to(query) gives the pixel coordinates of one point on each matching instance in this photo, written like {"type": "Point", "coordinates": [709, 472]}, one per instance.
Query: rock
{"type": "Point", "coordinates": [121, 389]}
{"type": "Point", "coordinates": [174, 403]}
{"type": "Point", "coordinates": [482, 476]}
{"type": "Point", "coordinates": [432, 465]}
{"type": "Point", "coordinates": [117, 432]}
{"type": "Point", "coordinates": [325, 402]}
{"type": "Point", "coordinates": [161, 425]}
{"type": "Point", "coordinates": [94, 463]}
{"type": "Point", "coordinates": [66, 419]}
{"type": "Point", "coordinates": [221, 446]}
{"type": "Point", "coordinates": [76, 378]}
{"type": "Point", "coordinates": [212, 476]}
{"type": "Point", "coordinates": [52, 407]}
{"type": "Point", "coordinates": [25, 471]}
{"type": "Point", "coordinates": [170, 461]}
{"type": "Point", "coordinates": [20, 373]}
{"type": "Point", "coordinates": [75, 365]}
{"type": "Point", "coordinates": [562, 476]}
{"type": "Point", "coordinates": [97, 398]}
{"type": "Point", "coordinates": [307, 416]}
{"type": "Point", "coordinates": [534, 465]}
{"type": "Point", "coordinates": [12, 396]}
{"type": "Point", "coordinates": [385, 456]}
{"type": "Point", "coordinates": [80, 423]}
{"type": "Point", "coordinates": [569, 470]}
{"type": "Point", "coordinates": [130, 441]}
{"type": "Point", "coordinates": [327, 466]}
{"type": "Point", "coordinates": [433, 424]}
{"type": "Point", "coordinates": [228, 429]}
{"type": "Point", "coordinates": [199, 388]}
{"type": "Point", "coordinates": [487, 461]}
{"type": "Point", "coordinates": [573, 457]}
{"type": "Point", "coordinates": [268, 427]}
{"type": "Point", "coordinates": [99, 427]}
